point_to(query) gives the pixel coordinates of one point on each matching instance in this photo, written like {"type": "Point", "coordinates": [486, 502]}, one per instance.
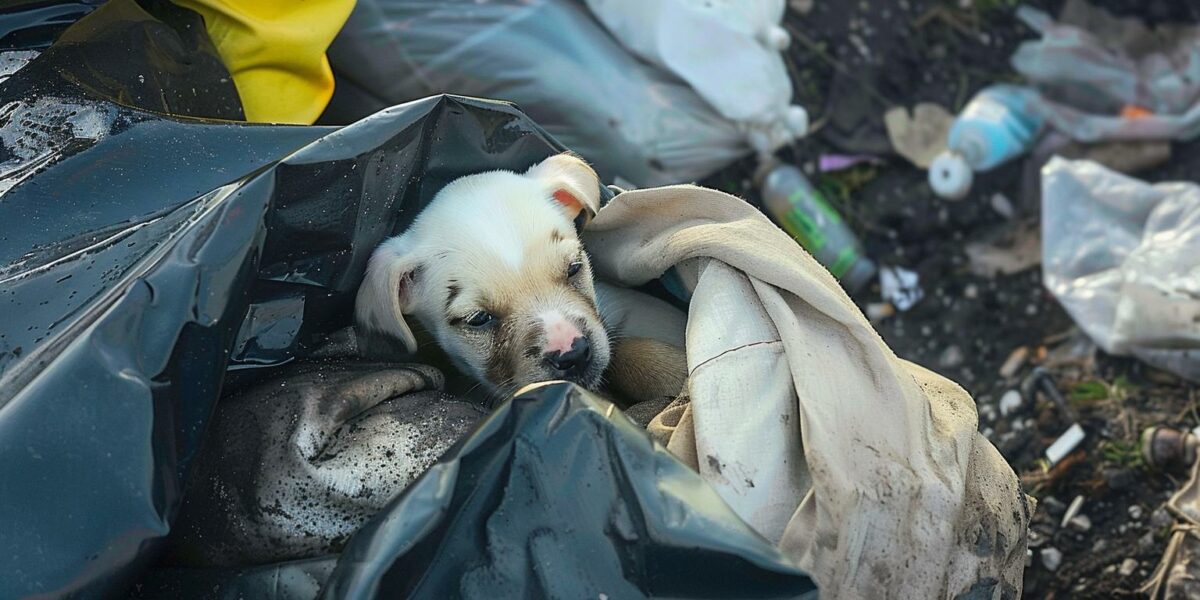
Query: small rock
{"type": "Point", "coordinates": [1135, 512]}
{"type": "Point", "coordinates": [951, 357]}
{"type": "Point", "coordinates": [971, 292]}
{"type": "Point", "coordinates": [1002, 205]}
{"type": "Point", "coordinates": [1120, 479]}
{"type": "Point", "coordinates": [1146, 542]}
{"type": "Point", "coordinates": [1014, 362]}
{"type": "Point", "coordinates": [1080, 523]}
{"type": "Point", "coordinates": [1160, 518]}
{"type": "Point", "coordinates": [1009, 402]}
{"type": "Point", "coordinates": [1051, 558]}
{"type": "Point", "coordinates": [801, 6]}
{"type": "Point", "coordinates": [1100, 546]}
{"type": "Point", "coordinates": [1053, 505]}
{"type": "Point", "coordinates": [1128, 567]}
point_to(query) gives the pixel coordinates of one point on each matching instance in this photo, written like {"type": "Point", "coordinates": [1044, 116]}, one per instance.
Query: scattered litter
{"type": "Point", "coordinates": [1136, 512]}
{"type": "Point", "coordinates": [1167, 448]}
{"type": "Point", "coordinates": [1040, 380]}
{"type": "Point", "coordinates": [827, 163]}
{"type": "Point", "coordinates": [878, 311]}
{"type": "Point", "coordinates": [1128, 566]}
{"type": "Point", "coordinates": [1010, 402]}
{"type": "Point", "coordinates": [1065, 444]}
{"type": "Point", "coordinates": [1020, 249]}
{"type": "Point", "coordinates": [1051, 558]}
{"type": "Point", "coordinates": [1002, 205]}
{"type": "Point", "coordinates": [1116, 78]}
{"type": "Point", "coordinates": [1016, 359]}
{"type": "Point", "coordinates": [921, 135]}
{"type": "Point", "coordinates": [1119, 254]}
{"type": "Point", "coordinates": [1123, 156]}
{"type": "Point", "coordinates": [997, 125]}
{"type": "Point", "coordinates": [900, 287]}
{"type": "Point", "coordinates": [1072, 510]}
{"type": "Point", "coordinates": [792, 201]}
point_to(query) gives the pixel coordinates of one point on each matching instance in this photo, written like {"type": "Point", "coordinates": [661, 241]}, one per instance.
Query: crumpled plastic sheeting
{"type": "Point", "coordinates": [140, 263]}
{"type": "Point", "coordinates": [729, 51]}
{"type": "Point", "coordinates": [628, 118]}
{"type": "Point", "coordinates": [1089, 65]}
{"type": "Point", "coordinates": [152, 260]}
{"type": "Point", "coordinates": [1121, 256]}
{"type": "Point", "coordinates": [558, 495]}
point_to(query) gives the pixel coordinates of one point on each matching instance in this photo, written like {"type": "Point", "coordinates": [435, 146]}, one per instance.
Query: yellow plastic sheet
{"type": "Point", "coordinates": [275, 50]}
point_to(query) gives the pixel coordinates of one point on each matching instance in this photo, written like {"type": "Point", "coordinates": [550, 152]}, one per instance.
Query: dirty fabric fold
{"type": "Point", "coordinates": [865, 468]}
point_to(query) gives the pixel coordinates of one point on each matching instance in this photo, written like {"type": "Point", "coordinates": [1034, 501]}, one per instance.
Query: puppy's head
{"type": "Point", "coordinates": [494, 269]}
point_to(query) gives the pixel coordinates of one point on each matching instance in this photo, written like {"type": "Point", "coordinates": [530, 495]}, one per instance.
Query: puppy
{"type": "Point", "coordinates": [494, 269]}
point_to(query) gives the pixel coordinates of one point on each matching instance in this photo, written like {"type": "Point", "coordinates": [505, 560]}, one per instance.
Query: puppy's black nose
{"type": "Point", "coordinates": [573, 361]}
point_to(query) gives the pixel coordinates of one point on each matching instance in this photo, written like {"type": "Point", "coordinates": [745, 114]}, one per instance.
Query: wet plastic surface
{"type": "Point", "coordinates": [559, 495]}
{"type": "Point", "coordinates": [142, 256]}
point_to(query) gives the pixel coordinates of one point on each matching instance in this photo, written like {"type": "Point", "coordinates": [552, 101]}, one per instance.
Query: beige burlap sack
{"type": "Point", "coordinates": [865, 468]}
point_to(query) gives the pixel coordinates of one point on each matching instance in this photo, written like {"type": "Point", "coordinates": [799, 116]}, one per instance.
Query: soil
{"type": "Point", "coordinates": [850, 62]}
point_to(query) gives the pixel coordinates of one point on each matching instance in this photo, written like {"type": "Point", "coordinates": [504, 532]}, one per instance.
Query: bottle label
{"type": "Point", "coordinates": [810, 221]}
{"type": "Point", "coordinates": [846, 259]}
{"type": "Point", "coordinates": [800, 226]}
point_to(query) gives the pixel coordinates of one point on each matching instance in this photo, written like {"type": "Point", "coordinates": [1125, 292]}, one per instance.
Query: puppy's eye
{"type": "Point", "coordinates": [574, 268]}
{"type": "Point", "coordinates": [480, 319]}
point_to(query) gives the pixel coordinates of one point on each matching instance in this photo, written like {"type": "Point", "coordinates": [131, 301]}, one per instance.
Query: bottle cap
{"type": "Point", "coordinates": [950, 176]}
{"type": "Point", "coordinates": [775, 37]}
{"type": "Point", "coordinates": [797, 120]}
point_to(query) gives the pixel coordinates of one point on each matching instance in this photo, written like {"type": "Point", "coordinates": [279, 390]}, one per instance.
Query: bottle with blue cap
{"type": "Point", "coordinates": [997, 125]}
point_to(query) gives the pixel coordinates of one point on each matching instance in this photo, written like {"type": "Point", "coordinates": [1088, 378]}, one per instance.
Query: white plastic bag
{"type": "Point", "coordinates": [1123, 257]}
{"type": "Point", "coordinates": [1089, 65]}
{"type": "Point", "coordinates": [727, 50]}
{"type": "Point", "coordinates": [629, 119]}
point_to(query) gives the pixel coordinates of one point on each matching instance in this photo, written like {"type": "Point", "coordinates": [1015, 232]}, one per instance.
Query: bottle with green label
{"type": "Point", "coordinates": [799, 209]}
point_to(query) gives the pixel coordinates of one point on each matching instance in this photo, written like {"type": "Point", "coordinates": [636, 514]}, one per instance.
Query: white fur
{"type": "Point", "coordinates": [475, 229]}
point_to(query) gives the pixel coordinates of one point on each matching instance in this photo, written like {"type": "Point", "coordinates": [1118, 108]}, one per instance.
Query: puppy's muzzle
{"type": "Point", "coordinates": [572, 363]}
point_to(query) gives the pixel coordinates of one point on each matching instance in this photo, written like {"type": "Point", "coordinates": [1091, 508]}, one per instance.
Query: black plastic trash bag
{"type": "Point", "coordinates": [143, 256]}
{"type": "Point", "coordinates": [558, 495]}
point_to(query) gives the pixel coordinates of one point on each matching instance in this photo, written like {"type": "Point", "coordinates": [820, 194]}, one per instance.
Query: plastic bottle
{"type": "Point", "coordinates": [997, 125]}
{"type": "Point", "coordinates": [799, 208]}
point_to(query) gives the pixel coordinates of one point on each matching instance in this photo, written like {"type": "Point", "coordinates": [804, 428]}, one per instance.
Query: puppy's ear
{"type": "Point", "coordinates": [386, 292]}
{"type": "Point", "coordinates": [573, 184]}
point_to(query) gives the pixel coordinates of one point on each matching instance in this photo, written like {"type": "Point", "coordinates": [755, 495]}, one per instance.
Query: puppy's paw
{"type": "Point", "coordinates": [643, 369]}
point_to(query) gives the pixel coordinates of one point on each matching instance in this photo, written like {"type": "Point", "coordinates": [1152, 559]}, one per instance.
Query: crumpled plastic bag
{"type": "Point", "coordinates": [558, 495]}
{"type": "Point", "coordinates": [728, 51]}
{"type": "Point", "coordinates": [1121, 256]}
{"type": "Point", "coordinates": [628, 118]}
{"type": "Point", "coordinates": [1090, 65]}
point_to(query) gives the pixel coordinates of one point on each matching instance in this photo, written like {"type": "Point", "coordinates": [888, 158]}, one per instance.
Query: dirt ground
{"type": "Point", "coordinates": [850, 62]}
